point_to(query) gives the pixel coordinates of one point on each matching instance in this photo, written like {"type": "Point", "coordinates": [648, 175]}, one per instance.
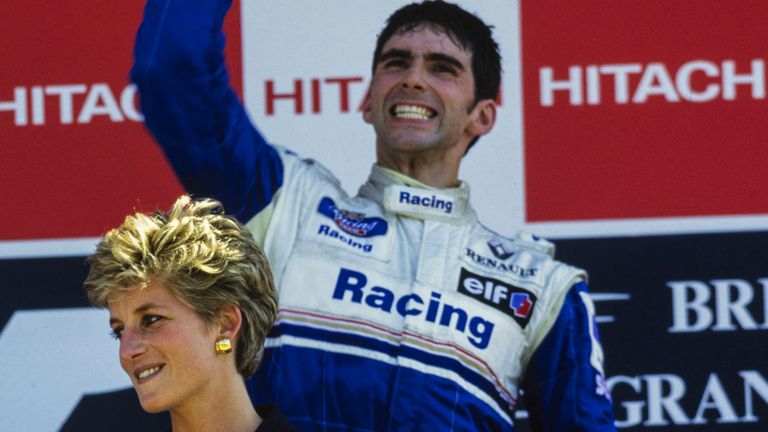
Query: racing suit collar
{"type": "Point", "coordinates": [405, 196]}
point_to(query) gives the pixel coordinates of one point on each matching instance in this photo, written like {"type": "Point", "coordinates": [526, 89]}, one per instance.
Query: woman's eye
{"type": "Point", "coordinates": [116, 333]}
{"type": "Point", "coordinates": [148, 320]}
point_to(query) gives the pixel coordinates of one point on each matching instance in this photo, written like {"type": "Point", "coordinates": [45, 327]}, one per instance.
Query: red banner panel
{"type": "Point", "coordinates": [75, 155]}
{"type": "Point", "coordinates": [644, 109]}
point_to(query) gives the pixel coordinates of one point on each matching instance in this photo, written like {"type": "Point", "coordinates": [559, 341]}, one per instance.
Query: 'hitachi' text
{"type": "Point", "coordinates": [336, 94]}
{"type": "Point", "coordinates": [77, 103]}
{"type": "Point", "coordinates": [355, 284]}
{"type": "Point", "coordinates": [695, 81]}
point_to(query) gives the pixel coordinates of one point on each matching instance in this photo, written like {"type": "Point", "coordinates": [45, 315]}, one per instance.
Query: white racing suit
{"type": "Point", "coordinates": [398, 310]}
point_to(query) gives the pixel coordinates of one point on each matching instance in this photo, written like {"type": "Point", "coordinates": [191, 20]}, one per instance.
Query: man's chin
{"type": "Point", "coordinates": [412, 142]}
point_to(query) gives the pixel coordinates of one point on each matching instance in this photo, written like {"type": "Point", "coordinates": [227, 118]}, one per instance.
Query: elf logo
{"type": "Point", "coordinates": [511, 300]}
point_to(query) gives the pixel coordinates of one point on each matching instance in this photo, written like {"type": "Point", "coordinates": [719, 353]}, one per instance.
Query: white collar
{"type": "Point", "coordinates": [408, 197]}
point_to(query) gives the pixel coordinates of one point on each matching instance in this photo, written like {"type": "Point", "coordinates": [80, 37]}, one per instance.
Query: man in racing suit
{"type": "Point", "coordinates": [398, 309]}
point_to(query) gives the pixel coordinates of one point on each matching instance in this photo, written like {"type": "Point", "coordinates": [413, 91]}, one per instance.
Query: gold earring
{"type": "Point", "coordinates": [223, 345]}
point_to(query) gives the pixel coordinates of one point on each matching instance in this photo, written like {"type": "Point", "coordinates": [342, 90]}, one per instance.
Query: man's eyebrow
{"type": "Point", "coordinates": [432, 56]}
{"type": "Point", "coordinates": [445, 58]}
{"type": "Point", "coordinates": [395, 53]}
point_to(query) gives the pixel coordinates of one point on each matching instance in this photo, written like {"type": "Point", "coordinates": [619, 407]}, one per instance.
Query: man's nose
{"type": "Point", "coordinates": [414, 77]}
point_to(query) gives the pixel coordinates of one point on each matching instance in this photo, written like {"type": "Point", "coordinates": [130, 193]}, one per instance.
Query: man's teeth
{"type": "Point", "coordinates": [413, 112]}
{"type": "Point", "coordinates": [147, 372]}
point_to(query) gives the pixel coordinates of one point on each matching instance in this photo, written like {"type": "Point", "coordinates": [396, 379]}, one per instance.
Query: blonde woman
{"type": "Point", "coordinates": [191, 299]}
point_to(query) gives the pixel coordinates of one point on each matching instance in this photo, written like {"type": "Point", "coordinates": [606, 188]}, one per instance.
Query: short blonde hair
{"type": "Point", "coordinates": [206, 259]}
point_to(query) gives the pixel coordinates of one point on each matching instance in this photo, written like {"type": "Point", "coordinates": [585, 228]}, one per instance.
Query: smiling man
{"type": "Point", "coordinates": [398, 309]}
{"type": "Point", "coordinates": [423, 107]}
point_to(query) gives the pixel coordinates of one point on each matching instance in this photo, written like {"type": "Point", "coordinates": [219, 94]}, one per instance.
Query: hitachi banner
{"type": "Point", "coordinates": [645, 116]}
{"type": "Point", "coordinates": [635, 119]}
{"type": "Point", "coordinates": [75, 155]}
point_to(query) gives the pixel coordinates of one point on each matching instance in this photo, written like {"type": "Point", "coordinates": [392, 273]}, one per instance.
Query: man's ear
{"type": "Point", "coordinates": [229, 321]}
{"type": "Point", "coordinates": [366, 107]}
{"type": "Point", "coordinates": [482, 117]}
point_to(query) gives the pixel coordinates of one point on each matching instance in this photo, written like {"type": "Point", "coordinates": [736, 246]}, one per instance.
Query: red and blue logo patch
{"type": "Point", "coordinates": [350, 222]}
{"type": "Point", "coordinates": [509, 299]}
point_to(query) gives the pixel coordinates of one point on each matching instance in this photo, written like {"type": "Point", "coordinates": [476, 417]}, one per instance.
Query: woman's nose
{"type": "Point", "coordinates": [132, 345]}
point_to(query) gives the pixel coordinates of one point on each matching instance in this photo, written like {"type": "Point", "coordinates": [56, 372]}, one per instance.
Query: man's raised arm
{"type": "Point", "coordinates": [193, 113]}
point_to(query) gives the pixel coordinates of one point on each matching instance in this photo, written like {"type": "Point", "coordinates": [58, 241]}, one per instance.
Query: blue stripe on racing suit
{"type": "Point", "coordinates": [403, 351]}
{"type": "Point", "coordinates": [425, 411]}
{"type": "Point", "coordinates": [561, 369]}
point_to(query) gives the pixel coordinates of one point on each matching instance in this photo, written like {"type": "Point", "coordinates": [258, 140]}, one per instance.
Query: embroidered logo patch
{"type": "Point", "coordinates": [499, 249]}
{"type": "Point", "coordinates": [352, 223]}
{"type": "Point", "coordinates": [511, 300]}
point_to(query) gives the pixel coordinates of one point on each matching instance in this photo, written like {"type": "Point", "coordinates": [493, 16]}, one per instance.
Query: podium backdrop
{"type": "Point", "coordinates": [632, 133]}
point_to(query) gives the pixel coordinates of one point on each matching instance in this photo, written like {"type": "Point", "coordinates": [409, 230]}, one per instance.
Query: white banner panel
{"type": "Point", "coordinates": [50, 358]}
{"type": "Point", "coordinates": [307, 66]}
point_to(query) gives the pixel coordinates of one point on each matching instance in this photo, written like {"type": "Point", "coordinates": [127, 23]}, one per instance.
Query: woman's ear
{"type": "Point", "coordinates": [230, 320]}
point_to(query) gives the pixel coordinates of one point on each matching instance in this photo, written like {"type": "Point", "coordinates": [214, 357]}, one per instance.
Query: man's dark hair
{"type": "Point", "coordinates": [467, 30]}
